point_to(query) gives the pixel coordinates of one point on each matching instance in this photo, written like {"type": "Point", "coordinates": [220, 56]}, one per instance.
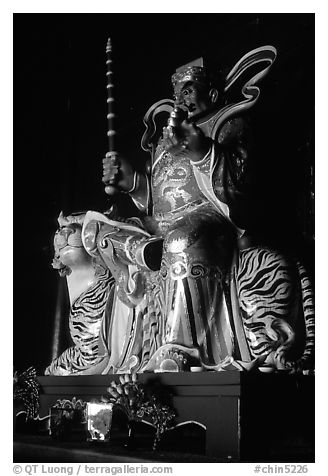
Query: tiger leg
{"type": "Point", "coordinates": [266, 291]}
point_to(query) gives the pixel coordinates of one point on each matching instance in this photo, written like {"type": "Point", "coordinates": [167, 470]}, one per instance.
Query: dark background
{"type": "Point", "coordinates": [60, 130]}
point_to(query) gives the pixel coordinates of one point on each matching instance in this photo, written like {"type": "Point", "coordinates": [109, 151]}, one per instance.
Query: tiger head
{"type": "Point", "coordinates": [68, 246]}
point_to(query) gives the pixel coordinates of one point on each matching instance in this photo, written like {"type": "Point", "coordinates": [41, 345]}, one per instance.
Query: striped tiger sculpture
{"type": "Point", "coordinates": [277, 309]}
{"type": "Point", "coordinates": [89, 285]}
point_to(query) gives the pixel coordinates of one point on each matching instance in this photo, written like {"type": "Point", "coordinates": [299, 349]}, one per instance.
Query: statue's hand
{"type": "Point", "coordinates": [118, 174]}
{"type": "Point", "coordinates": [186, 139]}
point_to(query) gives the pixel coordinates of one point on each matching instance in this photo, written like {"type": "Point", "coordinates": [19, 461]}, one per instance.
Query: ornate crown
{"type": "Point", "coordinates": [194, 71]}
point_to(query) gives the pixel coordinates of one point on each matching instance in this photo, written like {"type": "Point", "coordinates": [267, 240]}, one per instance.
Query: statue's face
{"type": "Point", "coordinates": [191, 96]}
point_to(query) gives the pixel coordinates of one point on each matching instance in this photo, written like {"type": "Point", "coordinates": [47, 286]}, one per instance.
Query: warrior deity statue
{"type": "Point", "coordinates": [191, 289]}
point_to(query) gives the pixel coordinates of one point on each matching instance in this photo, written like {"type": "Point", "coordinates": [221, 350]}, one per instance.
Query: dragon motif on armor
{"type": "Point", "coordinates": [171, 179]}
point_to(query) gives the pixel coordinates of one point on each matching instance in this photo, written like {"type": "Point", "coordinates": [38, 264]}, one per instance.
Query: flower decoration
{"type": "Point", "coordinates": [158, 414]}
{"type": "Point", "coordinates": [69, 406]}
{"type": "Point", "coordinates": [133, 398]}
{"type": "Point", "coordinates": [65, 415]}
{"type": "Point", "coordinates": [26, 392]}
{"type": "Point", "coordinates": [128, 394]}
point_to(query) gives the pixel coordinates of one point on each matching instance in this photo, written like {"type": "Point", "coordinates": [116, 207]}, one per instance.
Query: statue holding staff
{"type": "Point", "coordinates": [191, 289]}
{"type": "Point", "coordinates": [183, 270]}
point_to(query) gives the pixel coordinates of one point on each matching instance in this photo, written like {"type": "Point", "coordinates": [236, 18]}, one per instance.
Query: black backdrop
{"type": "Point", "coordinates": [60, 130]}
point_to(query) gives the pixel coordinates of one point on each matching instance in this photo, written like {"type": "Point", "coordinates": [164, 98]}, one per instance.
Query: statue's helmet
{"type": "Point", "coordinates": [194, 71]}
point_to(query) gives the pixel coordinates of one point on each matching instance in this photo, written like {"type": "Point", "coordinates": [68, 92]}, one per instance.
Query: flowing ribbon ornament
{"type": "Point", "coordinates": [251, 92]}
{"type": "Point", "coordinates": [164, 105]}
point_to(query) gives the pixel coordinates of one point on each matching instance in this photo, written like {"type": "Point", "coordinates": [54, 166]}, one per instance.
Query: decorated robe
{"type": "Point", "coordinates": [190, 302]}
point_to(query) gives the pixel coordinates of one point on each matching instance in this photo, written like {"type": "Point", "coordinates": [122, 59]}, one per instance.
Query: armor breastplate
{"type": "Point", "coordinates": [174, 186]}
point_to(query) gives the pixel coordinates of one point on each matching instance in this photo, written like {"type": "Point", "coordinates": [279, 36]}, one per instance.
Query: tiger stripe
{"type": "Point", "coordinates": [85, 323]}
{"type": "Point", "coordinates": [268, 296]}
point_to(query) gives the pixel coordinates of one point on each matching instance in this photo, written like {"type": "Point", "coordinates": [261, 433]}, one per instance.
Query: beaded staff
{"type": "Point", "coordinates": [111, 116]}
{"type": "Point", "coordinates": [110, 98]}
